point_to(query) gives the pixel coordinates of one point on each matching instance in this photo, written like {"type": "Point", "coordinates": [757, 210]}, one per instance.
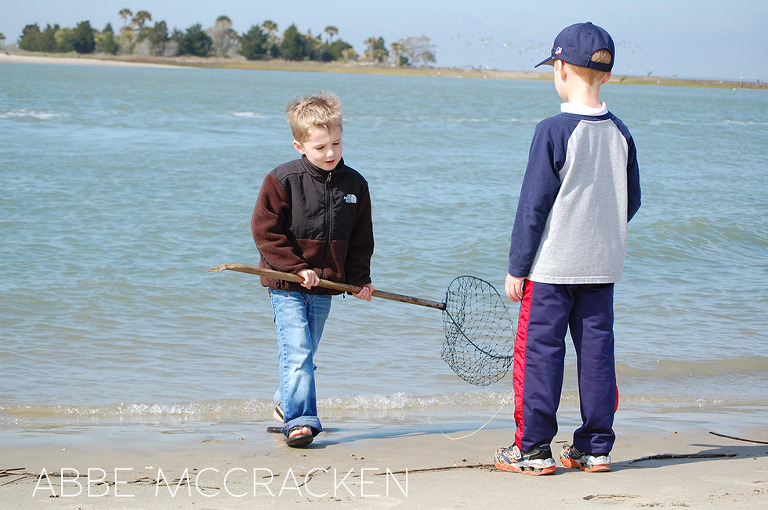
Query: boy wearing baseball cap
{"type": "Point", "coordinates": [581, 187]}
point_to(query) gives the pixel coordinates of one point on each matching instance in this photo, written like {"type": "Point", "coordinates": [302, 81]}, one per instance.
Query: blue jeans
{"type": "Point", "coordinates": [299, 321]}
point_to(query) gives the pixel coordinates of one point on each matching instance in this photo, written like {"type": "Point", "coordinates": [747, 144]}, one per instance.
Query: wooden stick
{"type": "Point", "coordinates": [441, 468]}
{"type": "Point", "coordinates": [664, 456]}
{"type": "Point", "coordinates": [344, 287]}
{"type": "Point", "coordinates": [739, 438]}
{"type": "Point", "coordinates": [10, 471]}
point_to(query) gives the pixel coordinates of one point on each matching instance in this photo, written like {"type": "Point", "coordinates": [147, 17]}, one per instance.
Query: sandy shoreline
{"type": "Point", "coordinates": [12, 58]}
{"type": "Point", "coordinates": [343, 469]}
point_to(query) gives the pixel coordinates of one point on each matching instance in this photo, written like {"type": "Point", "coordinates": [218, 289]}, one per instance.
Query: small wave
{"type": "Point", "coordinates": [136, 410]}
{"type": "Point", "coordinates": [715, 123]}
{"type": "Point", "coordinates": [28, 114]}
{"type": "Point", "coordinates": [247, 408]}
{"type": "Point", "coordinates": [248, 114]}
{"type": "Point", "coordinates": [735, 122]}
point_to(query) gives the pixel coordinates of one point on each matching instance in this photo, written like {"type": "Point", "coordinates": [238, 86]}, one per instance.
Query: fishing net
{"type": "Point", "coordinates": [479, 333]}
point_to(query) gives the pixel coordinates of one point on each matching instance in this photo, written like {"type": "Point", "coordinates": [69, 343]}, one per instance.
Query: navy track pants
{"type": "Point", "coordinates": [547, 312]}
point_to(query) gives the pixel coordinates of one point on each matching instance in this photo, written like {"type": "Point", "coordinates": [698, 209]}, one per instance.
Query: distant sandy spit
{"type": "Point", "coordinates": [11, 58]}
{"type": "Point", "coordinates": [346, 68]}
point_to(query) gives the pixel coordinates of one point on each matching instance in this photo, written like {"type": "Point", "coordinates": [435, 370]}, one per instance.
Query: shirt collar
{"type": "Point", "coordinates": [321, 174]}
{"type": "Point", "coordinates": [580, 109]}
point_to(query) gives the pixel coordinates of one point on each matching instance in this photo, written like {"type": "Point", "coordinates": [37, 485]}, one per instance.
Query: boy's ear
{"type": "Point", "coordinates": [298, 147]}
{"type": "Point", "coordinates": [606, 78]}
{"type": "Point", "coordinates": [560, 69]}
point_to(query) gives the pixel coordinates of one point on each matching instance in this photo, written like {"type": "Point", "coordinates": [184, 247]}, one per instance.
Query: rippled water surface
{"type": "Point", "coordinates": [120, 186]}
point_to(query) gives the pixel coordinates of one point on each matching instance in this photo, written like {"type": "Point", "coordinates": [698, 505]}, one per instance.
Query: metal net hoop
{"type": "Point", "coordinates": [479, 333]}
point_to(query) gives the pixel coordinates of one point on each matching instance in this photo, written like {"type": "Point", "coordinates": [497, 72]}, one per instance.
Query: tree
{"type": "Point", "coordinates": [195, 42]}
{"type": "Point", "coordinates": [64, 39]}
{"type": "Point", "coordinates": [339, 50]}
{"type": "Point", "coordinates": [331, 31]}
{"type": "Point", "coordinates": [376, 51]}
{"type": "Point", "coordinates": [51, 39]}
{"type": "Point", "coordinates": [141, 19]}
{"type": "Point", "coordinates": [350, 54]}
{"type": "Point", "coordinates": [125, 15]}
{"type": "Point", "coordinates": [177, 36]}
{"type": "Point", "coordinates": [29, 40]}
{"type": "Point", "coordinates": [108, 43]}
{"type": "Point", "coordinates": [158, 38]}
{"type": "Point", "coordinates": [83, 38]}
{"type": "Point", "coordinates": [270, 27]}
{"type": "Point", "coordinates": [253, 44]}
{"type": "Point", "coordinates": [126, 38]}
{"type": "Point", "coordinates": [417, 49]}
{"type": "Point", "coordinates": [292, 47]}
{"type": "Point", "coordinates": [33, 39]}
{"type": "Point", "coordinates": [314, 48]}
{"type": "Point", "coordinates": [396, 53]}
{"type": "Point", "coordinates": [2, 39]}
{"type": "Point", "coordinates": [224, 38]}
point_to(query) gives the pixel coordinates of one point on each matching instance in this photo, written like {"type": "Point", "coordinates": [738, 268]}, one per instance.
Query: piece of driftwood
{"type": "Point", "coordinates": [739, 438]}
{"type": "Point", "coordinates": [665, 456]}
{"type": "Point", "coordinates": [442, 468]}
{"type": "Point", "coordinates": [17, 472]}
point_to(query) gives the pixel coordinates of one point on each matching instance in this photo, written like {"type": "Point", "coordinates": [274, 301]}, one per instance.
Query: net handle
{"type": "Point", "coordinates": [344, 287]}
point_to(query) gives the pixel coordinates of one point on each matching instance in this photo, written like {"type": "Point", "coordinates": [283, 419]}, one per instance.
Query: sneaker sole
{"type": "Point", "coordinates": [597, 468]}
{"type": "Point", "coordinates": [550, 470]}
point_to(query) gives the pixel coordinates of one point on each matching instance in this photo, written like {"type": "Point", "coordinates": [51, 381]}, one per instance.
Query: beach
{"type": "Point", "coordinates": [146, 381]}
{"type": "Point", "coordinates": [693, 469]}
{"type": "Point", "coordinates": [17, 58]}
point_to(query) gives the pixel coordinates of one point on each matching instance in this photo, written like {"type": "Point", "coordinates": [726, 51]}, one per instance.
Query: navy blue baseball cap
{"type": "Point", "coordinates": [576, 44]}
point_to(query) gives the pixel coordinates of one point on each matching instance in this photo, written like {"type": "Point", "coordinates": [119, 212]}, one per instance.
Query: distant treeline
{"type": "Point", "coordinates": [260, 42]}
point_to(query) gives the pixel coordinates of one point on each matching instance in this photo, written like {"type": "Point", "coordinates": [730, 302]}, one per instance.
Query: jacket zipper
{"type": "Point", "coordinates": [328, 221]}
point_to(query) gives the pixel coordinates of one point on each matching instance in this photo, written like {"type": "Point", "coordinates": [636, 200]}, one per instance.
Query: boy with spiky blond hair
{"type": "Point", "coordinates": [312, 218]}
{"type": "Point", "coordinates": [569, 239]}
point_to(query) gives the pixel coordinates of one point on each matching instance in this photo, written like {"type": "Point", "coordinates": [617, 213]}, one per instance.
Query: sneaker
{"type": "Point", "coordinates": [538, 461]}
{"type": "Point", "coordinates": [573, 458]}
{"type": "Point", "coordinates": [277, 414]}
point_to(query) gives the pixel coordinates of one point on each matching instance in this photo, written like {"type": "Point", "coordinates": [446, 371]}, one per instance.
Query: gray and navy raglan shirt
{"type": "Point", "coordinates": [580, 189]}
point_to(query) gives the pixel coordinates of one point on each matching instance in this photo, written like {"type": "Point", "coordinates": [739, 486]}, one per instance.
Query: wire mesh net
{"type": "Point", "coordinates": [479, 333]}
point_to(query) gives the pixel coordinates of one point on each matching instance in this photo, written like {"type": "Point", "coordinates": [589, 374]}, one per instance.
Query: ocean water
{"type": "Point", "coordinates": [119, 187]}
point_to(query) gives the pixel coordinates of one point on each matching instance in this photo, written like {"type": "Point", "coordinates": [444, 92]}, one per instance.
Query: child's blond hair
{"type": "Point", "coordinates": [593, 76]}
{"type": "Point", "coordinates": [316, 110]}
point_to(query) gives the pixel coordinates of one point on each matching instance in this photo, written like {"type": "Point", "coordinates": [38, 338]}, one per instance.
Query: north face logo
{"type": "Point", "coordinates": [350, 199]}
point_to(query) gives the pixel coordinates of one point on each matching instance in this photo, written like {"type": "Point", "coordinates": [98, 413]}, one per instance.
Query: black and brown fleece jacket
{"type": "Point", "coordinates": [307, 218]}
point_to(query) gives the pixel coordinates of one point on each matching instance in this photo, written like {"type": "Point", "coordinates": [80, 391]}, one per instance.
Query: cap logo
{"type": "Point", "coordinates": [558, 50]}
